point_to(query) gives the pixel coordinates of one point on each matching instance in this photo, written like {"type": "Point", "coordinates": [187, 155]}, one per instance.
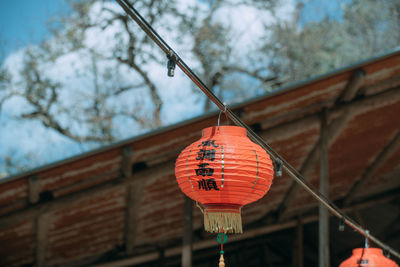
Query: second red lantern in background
{"type": "Point", "coordinates": [368, 257]}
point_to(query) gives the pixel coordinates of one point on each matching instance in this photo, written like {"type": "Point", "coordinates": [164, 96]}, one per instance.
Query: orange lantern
{"type": "Point", "coordinates": [368, 257]}
{"type": "Point", "coordinates": [224, 171]}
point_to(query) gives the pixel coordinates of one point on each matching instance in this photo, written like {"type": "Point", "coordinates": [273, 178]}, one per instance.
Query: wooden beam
{"type": "Point", "coordinates": [67, 200]}
{"type": "Point", "coordinates": [333, 131]}
{"type": "Point", "coordinates": [352, 87]}
{"type": "Point", "coordinates": [249, 234]}
{"type": "Point", "coordinates": [382, 157]}
{"type": "Point", "coordinates": [323, 228]}
{"type": "Point", "coordinates": [126, 164]}
{"type": "Point", "coordinates": [267, 255]}
{"type": "Point", "coordinates": [187, 233]}
{"type": "Point", "coordinates": [58, 203]}
{"type": "Point", "coordinates": [298, 252]}
{"type": "Point", "coordinates": [380, 86]}
{"type": "Point", "coordinates": [134, 195]}
{"type": "Point", "coordinates": [33, 189]}
{"type": "Point", "coordinates": [85, 183]}
{"type": "Point", "coordinates": [175, 251]}
{"type": "Point", "coordinates": [384, 197]}
{"type": "Point", "coordinates": [42, 225]}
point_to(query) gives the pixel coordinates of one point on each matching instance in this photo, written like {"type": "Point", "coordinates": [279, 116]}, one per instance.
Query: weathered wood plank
{"type": "Point", "coordinates": [42, 225]}
{"type": "Point", "coordinates": [333, 131]}
{"type": "Point", "coordinates": [134, 195]}
{"type": "Point", "coordinates": [33, 189]}
{"type": "Point", "coordinates": [382, 157]}
{"type": "Point", "coordinates": [187, 233]}
{"type": "Point", "coordinates": [298, 245]}
{"type": "Point", "coordinates": [352, 87]}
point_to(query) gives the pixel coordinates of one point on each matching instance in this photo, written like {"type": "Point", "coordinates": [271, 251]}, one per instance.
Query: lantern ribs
{"type": "Point", "coordinates": [333, 131]}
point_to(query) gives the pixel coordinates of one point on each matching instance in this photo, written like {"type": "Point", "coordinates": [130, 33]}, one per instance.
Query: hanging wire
{"type": "Point", "coordinates": [146, 27]}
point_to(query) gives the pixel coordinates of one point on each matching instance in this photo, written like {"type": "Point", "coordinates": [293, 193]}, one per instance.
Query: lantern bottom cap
{"type": "Point", "coordinates": [224, 218]}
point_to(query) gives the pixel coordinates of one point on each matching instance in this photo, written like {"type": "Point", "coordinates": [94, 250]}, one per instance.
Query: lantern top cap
{"type": "Point", "coordinates": [359, 251]}
{"type": "Point", "coordinates": [224, 130]}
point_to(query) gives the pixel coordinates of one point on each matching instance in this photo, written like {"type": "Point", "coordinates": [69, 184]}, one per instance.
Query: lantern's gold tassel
{"type": "Point", "coordinates": [228, 222]}
{"type": "Point", "coordinates": [221, 261]}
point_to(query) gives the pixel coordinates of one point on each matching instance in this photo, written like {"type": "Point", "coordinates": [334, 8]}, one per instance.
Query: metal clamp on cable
{"type": "Point", "coordinates": [171, 63]}
{"type": "Point", "coordinates": [367, 239]}
{"type": "Point", "coordinates": [224, 111]}
{"type": "Point", "coordinates": [278, 167]}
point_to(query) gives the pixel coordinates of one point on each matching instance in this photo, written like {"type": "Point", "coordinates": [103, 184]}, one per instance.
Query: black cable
{"type": "Point", "coordinates": [360, 261]}
{"type": "Point", "coordinates": [146, 27]}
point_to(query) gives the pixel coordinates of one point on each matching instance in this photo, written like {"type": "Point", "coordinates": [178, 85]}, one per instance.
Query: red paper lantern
{"type": "Point", "coordinates": [368, 257]}
{"type": "Point", "coordinates": [224, 171]}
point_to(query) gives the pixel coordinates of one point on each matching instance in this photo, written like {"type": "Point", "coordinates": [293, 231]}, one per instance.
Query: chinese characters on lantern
{"type": "Point", "coordinates": [362, 261]}
{"type": "Point", "coordinates": [208, 184]}
{"type": "Point", "coordinates": [207, 152]}
{"type": "Point", "coordinates": [204, 170]}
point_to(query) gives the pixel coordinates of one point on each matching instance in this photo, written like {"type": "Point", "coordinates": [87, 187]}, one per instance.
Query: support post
{"type": "Point", "coordinates": [324, 189]}
{"type": "Point", "coordinates": [33, 189]}
{"type": "Point", "coordinates": [133, 196]}
{"type": "Point", "coordinates": [298, 255]}
{"type": "Point", "coordinates": [187, 233]}
{"type": "Point", "coordinates": [42, 225]}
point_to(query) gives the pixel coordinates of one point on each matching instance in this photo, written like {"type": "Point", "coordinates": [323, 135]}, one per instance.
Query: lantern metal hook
{"type": "Point", "coordinates": [278, 167]}
{"type": "Point", "coordinates": [219, 116]}
{"type": "Point", "coordinates": [367, 239]}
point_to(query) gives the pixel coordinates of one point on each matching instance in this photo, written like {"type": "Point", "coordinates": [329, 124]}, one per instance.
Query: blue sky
{"type": "Point", "coordinates": [24, 21]}
{"type": "Point", "coordinates": [317, 10]}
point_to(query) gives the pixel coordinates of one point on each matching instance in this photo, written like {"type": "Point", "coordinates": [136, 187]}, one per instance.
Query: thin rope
{"type": "Point", "coordinates": [146, 27]}
{"type": "Point", "coordinates": [200, 208]}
